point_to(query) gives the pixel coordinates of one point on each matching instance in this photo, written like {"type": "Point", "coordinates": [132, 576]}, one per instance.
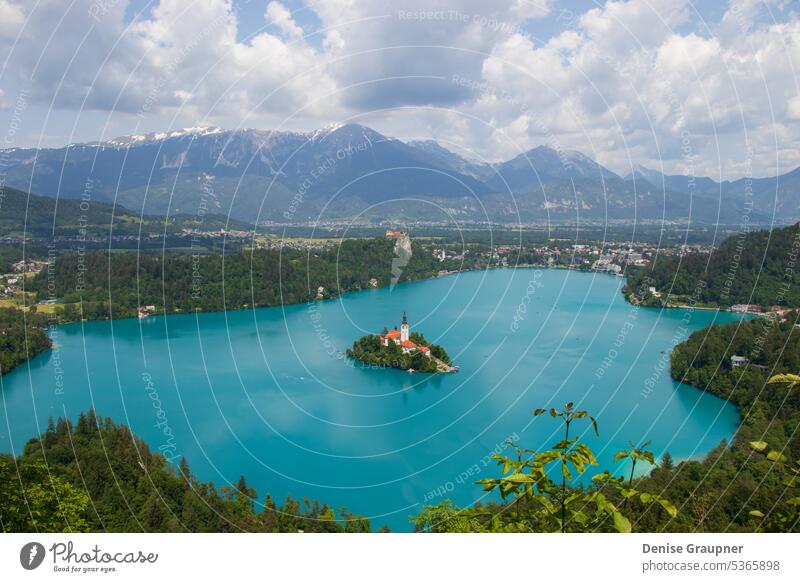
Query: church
{"type": "Point", "coordinates": [401, 339]}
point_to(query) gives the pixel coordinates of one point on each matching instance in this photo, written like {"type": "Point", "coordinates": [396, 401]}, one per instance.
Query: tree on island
{"type": "Point", "coordinates": [369, 350]}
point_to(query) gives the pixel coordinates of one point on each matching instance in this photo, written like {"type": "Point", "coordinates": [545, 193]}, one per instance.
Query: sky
{"type": "Point", "coordinates": [706, 88]}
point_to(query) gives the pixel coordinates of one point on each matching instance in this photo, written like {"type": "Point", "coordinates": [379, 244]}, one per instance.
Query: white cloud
{"type": "Point", "coordinates": [627, 84]}
{"type": "Point", "coordinates": [184, 54]}
{"type": "Point", "coordinates": [278, 15]}
{"type": "Point", "coordinates": [624, 81]}
{"type": "Point", "coordinates": [793, 107]}
{"type": "Point", "coordinates": [11, 19]}
{"type": "Point", "coordinates": [394, 54]}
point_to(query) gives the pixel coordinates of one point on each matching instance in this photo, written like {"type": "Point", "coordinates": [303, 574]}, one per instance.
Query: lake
{"type": "Point", "coordinates": [267, 393]}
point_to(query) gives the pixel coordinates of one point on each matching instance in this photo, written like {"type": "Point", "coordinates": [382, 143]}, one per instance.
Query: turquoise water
{"type": "Point", "coordinates": [267, 393]}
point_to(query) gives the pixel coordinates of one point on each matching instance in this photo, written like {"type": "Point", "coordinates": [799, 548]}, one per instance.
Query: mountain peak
{"type": "Point", "coordinates": [349, 130]}
{"type": "Point", "coordinates": [127, 140]}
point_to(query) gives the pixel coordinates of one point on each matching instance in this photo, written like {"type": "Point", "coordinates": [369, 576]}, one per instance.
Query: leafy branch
{"type": "Point", "coordinates": [533, 497]}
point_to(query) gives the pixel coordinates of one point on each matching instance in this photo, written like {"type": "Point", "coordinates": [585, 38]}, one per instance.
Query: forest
{"type": "Point", "coordinates": [758, 267]}
{"type": "Point", "coordinates": [22, 336]}
{"type": "Point", "coordinates": [114, 285]}
{"type": "Point", "coordinates": [96, 476]}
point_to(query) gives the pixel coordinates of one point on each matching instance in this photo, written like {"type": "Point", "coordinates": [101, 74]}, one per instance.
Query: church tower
{"type": "Point", "coordinates": [404, 329]}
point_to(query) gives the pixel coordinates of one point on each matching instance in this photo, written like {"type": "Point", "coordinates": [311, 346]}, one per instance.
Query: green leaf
{"type": "Point", "coordinates": [793, 481]}
{"type": "Point", "coordinates": [517, 478]}
{"type": "Point", "coordinates": [667, 506]}
{"type": "Point", "coordinates": [790, 379]}
{"type": "Point", "coordinates": [588, 453]}
{"type": "Point", "coordinates": [759, 446]}
{"type": "Point", "coordinates": [564, 444]}
{"type": "Point", "coordinates": [646, 498]}
{"type": "Point", "coordinates": [606, 476]}
{"type": "Point", "coordinates": [547, 457]}
{"type": "Point", "coordinates": [777, 457]}
{"type": "Point", "coordinates": [579, 517]}
{"type": "Point", "coordinates": [756, 513]}
{"type": "Point", "coordinates": [621, 523]}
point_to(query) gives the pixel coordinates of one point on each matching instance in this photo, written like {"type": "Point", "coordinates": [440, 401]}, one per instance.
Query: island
{"type": "Point", "coordinates": [402, 350]}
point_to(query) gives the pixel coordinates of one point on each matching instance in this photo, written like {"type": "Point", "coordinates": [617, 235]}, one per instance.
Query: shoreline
{"type": "Point", "coordinates": [425, 378]}
{"type": "Point", "coordinates": [438, 275]}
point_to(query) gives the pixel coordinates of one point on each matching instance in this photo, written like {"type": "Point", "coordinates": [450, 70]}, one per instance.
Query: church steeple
{"type": "Point", "coordinates": [404, 328]}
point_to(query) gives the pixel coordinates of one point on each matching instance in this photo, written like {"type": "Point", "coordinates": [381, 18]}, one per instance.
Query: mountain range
{"type": "Point", "coordinates": [353, 172]}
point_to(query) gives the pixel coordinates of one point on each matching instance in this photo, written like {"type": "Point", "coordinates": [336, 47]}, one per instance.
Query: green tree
{"type": "Point", "coordinates": [32, 499]}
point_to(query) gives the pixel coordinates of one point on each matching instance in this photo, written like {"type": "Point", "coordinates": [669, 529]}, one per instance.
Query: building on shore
{"type": "Point", "coordinates": [739, 361]}
{"type": "Point", "coordinates": [746, 308]}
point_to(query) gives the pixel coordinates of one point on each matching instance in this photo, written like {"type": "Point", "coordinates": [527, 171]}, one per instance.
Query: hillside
{"type": "Point", "coordinates": [180, 283]}
{"type": "Point", "coordinates": [774, 198]}
{"type": "Point", "coordinates": [45, 217]}
{"type": "Point", "coordinates": [22, 336]}
{"type": "Point", "coordinates": [724, 488]}
{"type": "Point", "coordinates": [755, 267]}
{"type": "Point", "coordinates": [96, 475]}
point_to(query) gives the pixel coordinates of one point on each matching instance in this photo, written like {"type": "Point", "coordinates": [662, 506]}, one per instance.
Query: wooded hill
{"type": "Point", "coordinates": [22, 336]}
{"type": "Point", "coordinates": [30, 215]}
{"type": "Point", "coordinates": [116, 284]}
{"type": "Point", "coordinates": [97, 476]}
{"type": "Point", "coordinates": [759, 267]}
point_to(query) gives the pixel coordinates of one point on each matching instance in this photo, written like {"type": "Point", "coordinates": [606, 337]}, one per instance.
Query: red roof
{"type": "Point", "coordinates": [424, 349]}
{"type": "Point", "coordinates": [408, 344]}
{"type": "Point", "coordinates": [394, 334]}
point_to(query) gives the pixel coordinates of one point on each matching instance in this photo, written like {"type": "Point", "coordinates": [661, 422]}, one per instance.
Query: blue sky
{"type": "Point", "coordinates": [705, 87]}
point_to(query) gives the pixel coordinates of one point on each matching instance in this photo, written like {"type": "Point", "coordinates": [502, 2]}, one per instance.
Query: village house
{"type": "Point", "coordinates": [145, 311]}
{"type": "Point", "coordinates": [738, 361]}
